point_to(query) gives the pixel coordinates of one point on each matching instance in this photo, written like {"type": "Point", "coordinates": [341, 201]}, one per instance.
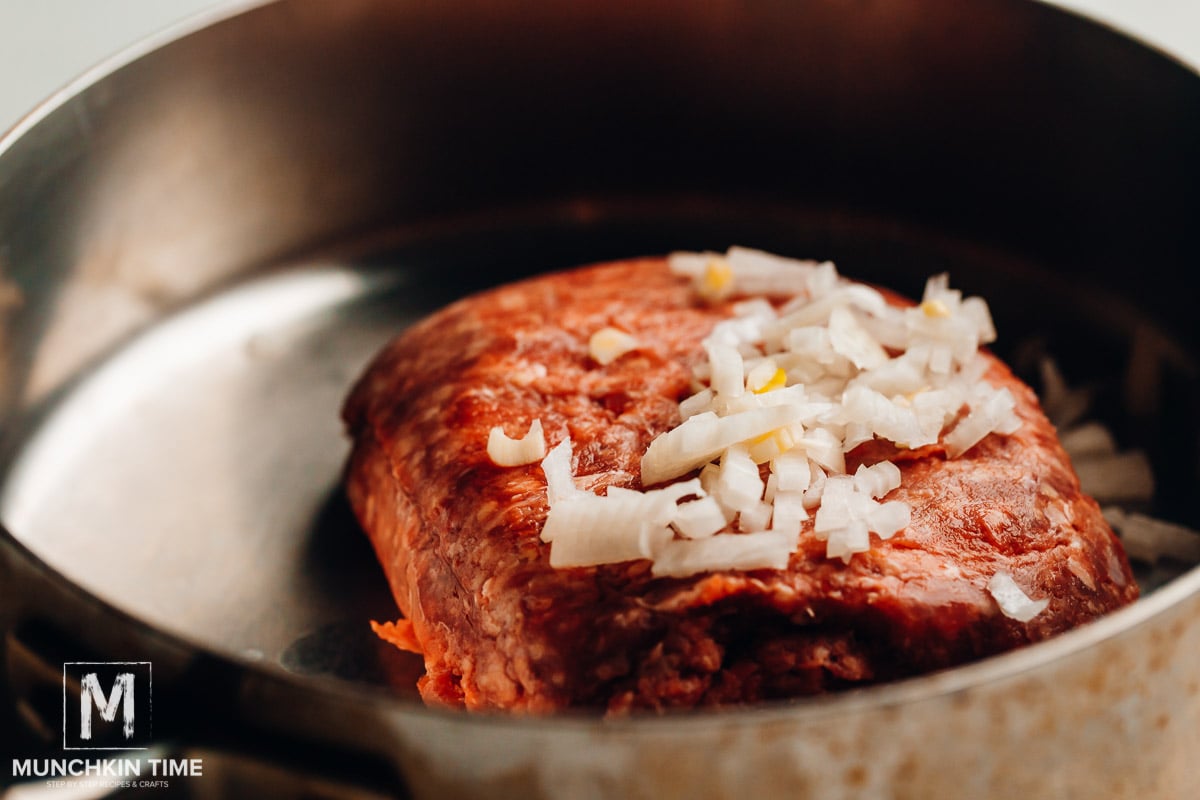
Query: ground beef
{"type": "Point", "coordinates": [458, 536]}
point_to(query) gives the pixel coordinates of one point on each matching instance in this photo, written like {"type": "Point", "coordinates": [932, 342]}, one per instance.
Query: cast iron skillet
{"type": "Point", "coordinates": [203, 242]}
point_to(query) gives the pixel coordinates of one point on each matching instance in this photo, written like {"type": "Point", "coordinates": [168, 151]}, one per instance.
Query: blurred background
{"type": "Point", "coordinates": [45, 44]}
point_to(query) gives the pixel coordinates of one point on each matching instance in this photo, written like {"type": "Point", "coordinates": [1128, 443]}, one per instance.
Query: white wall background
{"type": "Point", "coordinates": [46, 43]}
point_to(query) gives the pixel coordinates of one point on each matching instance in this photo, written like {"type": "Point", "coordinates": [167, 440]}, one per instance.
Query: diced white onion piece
{"type": "Point", "coordinates": [796, 397]}
{"type": "Point", "coordinates": [608, 344]}
{"type": "Point", "coordinates": [839, 505]}
{"type": "Point", "coordinates": [690, 265]}
{"type": "Point", "coordinates": [975, 309]}
{"type": "Point", "coordinates": [844, 507]}
{"type": "Point", "coordinates": [772, 487]}
{"type": "Point", "coordinates": [887, 519]}
{"type": "Point", "coordinates": [856, 433]}
{"type": "Point", "coordinates": [683, 489]}
{"type": "Point", "coordinates": [789, 512]}
{"type": "Point", "coordinates": [755, 517]}
{"type": "Point", "coordinates": [845, 542]}
{"type": "Point", "coordinates": [697, 519]}
{"type": "Point", "coordinates": [811, 342]}
{"type": "Point", "coordinates": [728, 377]}
{"type": "Point", "coordinates": [585, 529]}
{"type": "Point", "coordinates": [887, 327]}
{"type": "Point", "coordinates": [816, 487]}
{"type": "Point", "coordinates": [652, 539]}
{"type": "Point", "coordinates": [1087, 441]}
{"type": "Point", "coordinates": [877, 479]}
{"type": "Point", "coordinates": [823, 279]}
{"type": "Point", "coordinates": [507, 452]}
{"type": "Point", "coordinates": [991, 410]}
{"type": "Point", "coordinates": [936, 407]}
{"type": "Point", "coordinates": [1062, 404]}
{"type": "Point", "coordinates": [588, 529]}
{"type": "Point", "coordinates": [560, 480]}
{"type": "Point", "coordinates": [757, 272]}
{"type": "Point", "coordinates": [1122, 478]}
{"type": "Point", "coordinates": [695, 404]}
{"type": "Point", "coordinates": [739, 486]}
{"type": "Point", "coordinates": [704, 437]}
{"type": "Point", "coordinates": [941, 358]}
{"type": "Point", "coordinates": [889, 420]}
{"type": "Point", "coordinates": [1151, 540]}
{"type": "Point", "coordinates": [681, 558]}
{"type": "Point", "coordinates": [1013, 601]}
{"type": "Point", "coordinates": [761, 376]}
{"type": "Point", "coordinates": [756, 308]}
{"type": "Point", "coordinates": [850, 339]}
{"type": "Point", "coordinates": [737, 331]}
{"type": "Point", "coordinates": [824, 448]}
{"type": "Point", "coordinates": [817, 312]}
{"type": "Point", "coordinates": [717, 282]}
{"type": "Point", "coordinates": [792, 472]}
{"type": "Point", "coordinates": [901, 375]}
{"type": "Point", "coordinates": [772, 445]}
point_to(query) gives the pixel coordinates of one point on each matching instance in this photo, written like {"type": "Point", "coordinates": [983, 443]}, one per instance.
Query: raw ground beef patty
{"type": "Point", "coordinates": [499, 628]}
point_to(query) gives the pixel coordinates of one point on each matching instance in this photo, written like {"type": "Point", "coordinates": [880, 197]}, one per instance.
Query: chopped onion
{"type": "Point", "coordinates": [824, 448]}
{"type": "Point", "coordinates": [765, 376]}
{"type": "Point", "coordinates": [585, 529]}
{"type": "Point", "coordinates": [844, 542]}
{"type": "Point", "coordinates": [758, 272]}
{"type": "Point", "coordinates": [680, 558]}
{"type": "Point", "coordinates": [991, 410]}
{"type": "Point", "coordinates": [1151, 540]}
{"type": "Point", "coordinates": [792, 472]}
{"type": "Point", "coordinates": [728, 377]}
{"type": "Point", "coordinates": [755, 517]}
{"type": "Point", "coordinates": [704, 437]}
{"type": "Point", "coordinates": [697, 403]}
{"type": "Point", "coordinates": [816, 487]}
{"type": "Point", "coordinates": [608, 344]}
{"type": "Point", "coordinates": [560, 480]}
{"type": "Point", "coordinates": [887, 418]}
{"type": "Point", "coordinates": [690, 265]}
{"type": "Point", "coordinates": [788, 512]}
{"type": "Point", "coordinates": [850, 339]}
{"type": "Point", "coordinates": [1088, 441]}
{"type": "Point", "coordinates": [506, 452]}
{"type": "Point", "coordinates": [739, 486]}
{"type": "Point", "coordinates": [1013, 601]}
{"type": "Point", "coordinates": [697, 519]}
{"type": "Point", "coordinates": [848, 515]}
{"type": "Point", "coordinates": [1062, 404]}
{"type": "Point", "coordinates": [877, 479]}
{"type": "Point", "coordinates": [795, 386]}
{"type": "Point", "coordinates": [1119, 478]}
{"type": "Point", "coordinates": [774, 444]}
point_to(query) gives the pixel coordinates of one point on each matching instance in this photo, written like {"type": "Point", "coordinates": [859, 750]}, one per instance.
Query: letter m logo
{"type": "Point", "coordinates": [92, 696]}
{"type": "Point", "coordinates": [112, 710]}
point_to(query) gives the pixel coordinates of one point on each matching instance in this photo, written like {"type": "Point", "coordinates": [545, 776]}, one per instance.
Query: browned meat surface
{"type": "Point", "coordinates": [458, 537]}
